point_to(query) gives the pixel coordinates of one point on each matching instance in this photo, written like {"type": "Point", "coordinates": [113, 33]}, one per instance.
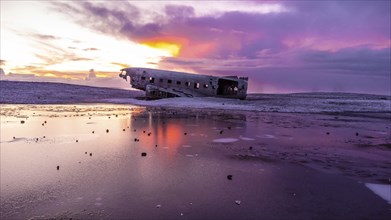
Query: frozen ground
{"type": "Point", "coordinates": [56, 93]}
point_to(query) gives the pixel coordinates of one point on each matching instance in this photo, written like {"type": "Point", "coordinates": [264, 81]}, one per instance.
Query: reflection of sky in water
{"type": "Point", "coordinates": [185, 161]}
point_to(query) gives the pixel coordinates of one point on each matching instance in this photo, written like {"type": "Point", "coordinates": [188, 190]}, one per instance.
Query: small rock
{"type": "Point", "coordinates": [86, 152]}
{"type": "Point", "coordinates": [250, 148]}
{"type": "Point", "coordinates": [77, 141]}
{"type": "Point", "coordinates": [238, 202]}
{"type": "Point", "coordinates": [134, 130]}
{"type": "Point", "coordinates": [45, 122]}
{"type": "Point", "coordinates": [93, 132]}
{"type": "Point", "coordinates": [58, 167]}
{"type": "Point", "coordinates": [123, 129]}
{"type": "Point", "coordinates": [13, 137]}
{"type": "Point", "coordinates": [107, 130]}
{"type": "Point", "coordinates": [91, 154]}
{"type": "Point", "coordinates": [356, 133]}
{"type": "Point", "coordinates": [328, 133]}
{"type": "Point", "coordinates": [143, 131]}
{"type": "Point", "coordinates": [143, 154]}
{"type": "Point", "coordinates": [229, 177]}
{"type": "Point", "coordinates": [185, 133]}
{"type": "Point", "coordinates": [156, 145]}
{"type": "Point", "coordinates": [44, 137]}
{"type": "Point", "coordinates": [221, 132]}
{"type": "Point", "coordinates": [229, 127]}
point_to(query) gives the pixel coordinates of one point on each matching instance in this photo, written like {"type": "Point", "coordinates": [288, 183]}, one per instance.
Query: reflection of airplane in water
{"type": "Point", "coordinates": [163, 84]}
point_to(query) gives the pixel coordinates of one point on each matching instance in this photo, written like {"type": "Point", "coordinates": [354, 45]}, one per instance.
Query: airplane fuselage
{"type": "Point", "coordinates": [162, 83]}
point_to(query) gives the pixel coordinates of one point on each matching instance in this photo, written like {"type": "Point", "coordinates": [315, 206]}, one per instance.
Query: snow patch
{"type": "Point", "coordinates": [246, 138]}
{"type": "Point", "coordinates": [225, 140]}
{"type": "Point", "coordinates": [382, 190]}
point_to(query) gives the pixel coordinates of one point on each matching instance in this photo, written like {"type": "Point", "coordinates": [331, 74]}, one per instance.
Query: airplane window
{"type": "Point", "coordinates": [205, 85]}
{"type": "Point", "coordinates": [169, 81]}
{"type": "Point", "coordinates": [178, 82]}
{"type": "Point", "coordinates": [187, 83]}
{"type": "Point", "coordinates": [196, 85]}
{"type": "Point", "coordinates": [151, 79]}
{"type": "Point", "coordinates": [161, 80]}
{"type": "Point", "coordinates": [142, 78]}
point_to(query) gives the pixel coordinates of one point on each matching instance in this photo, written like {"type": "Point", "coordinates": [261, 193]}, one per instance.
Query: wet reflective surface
{"type": "Point", "coordinates": [86, 162]}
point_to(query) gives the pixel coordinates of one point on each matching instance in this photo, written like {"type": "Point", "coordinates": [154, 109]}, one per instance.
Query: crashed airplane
{"type": "Point", "coordinates": [164, 84]}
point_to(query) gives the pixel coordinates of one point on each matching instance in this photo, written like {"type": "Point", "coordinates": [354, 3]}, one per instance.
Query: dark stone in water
{"type": "Point", "coordinates": [143, 154]}
{"type": "Point", "coordinates": [229, 177]}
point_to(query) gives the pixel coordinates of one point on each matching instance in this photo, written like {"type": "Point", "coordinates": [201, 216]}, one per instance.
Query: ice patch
{"type": "Point", "coordinates": [246, 138]}
{"type": "Point", "coordinates": [225, 140]}
{"type": "Point", "coordinates": [186, 146]}
{"type": "Point", "coordinates": [382, 190]}
{"type": "Point", "coordinates": [266, 136]}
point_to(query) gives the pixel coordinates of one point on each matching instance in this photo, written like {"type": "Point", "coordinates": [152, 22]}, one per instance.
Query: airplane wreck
{"type": "Point", "coordinates": [164, 84]}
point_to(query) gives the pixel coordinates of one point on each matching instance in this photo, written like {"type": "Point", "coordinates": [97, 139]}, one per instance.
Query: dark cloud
{"type": "Point", "coordinates": [46, 37]}
{"type": "Point", "coordinates": [91, 49]}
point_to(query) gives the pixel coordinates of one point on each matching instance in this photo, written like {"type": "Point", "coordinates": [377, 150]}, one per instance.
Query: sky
{"type": "Point", "coordinates": [282, 46]}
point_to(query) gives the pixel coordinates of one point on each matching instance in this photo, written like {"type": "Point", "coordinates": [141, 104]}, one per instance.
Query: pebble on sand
{"type": "Point", "coordinates": [91, 154]}
{"type": "Point", "coordinates": [77, 141]}
{"type": "Point", "coordinates": [58, 167]}
{"type": "Point", "coordinates": [123, 129]}
{"type": "Point", "coordinates": [107, 130]}
{"type": "Point", "coordinates": [143, 154]}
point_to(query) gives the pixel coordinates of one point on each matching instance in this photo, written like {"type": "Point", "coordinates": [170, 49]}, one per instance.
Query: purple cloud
{"type": "Point", "coordinates": [334, 45]}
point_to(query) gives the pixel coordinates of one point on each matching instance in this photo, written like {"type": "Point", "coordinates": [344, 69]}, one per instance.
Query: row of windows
{"type": "Point", "coordinates": [169, 81]}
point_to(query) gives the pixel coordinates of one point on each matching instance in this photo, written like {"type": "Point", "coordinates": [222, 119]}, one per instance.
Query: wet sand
{"type": "Point", "coordinates": [85, 162]}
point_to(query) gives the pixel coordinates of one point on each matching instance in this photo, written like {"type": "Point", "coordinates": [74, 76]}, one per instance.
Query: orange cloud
{"type": "Point", "coordinates": [173, 45]}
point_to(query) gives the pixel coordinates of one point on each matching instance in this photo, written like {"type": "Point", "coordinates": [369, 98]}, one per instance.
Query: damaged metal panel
{"type": "Point", "coordinates": [165, 84]}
